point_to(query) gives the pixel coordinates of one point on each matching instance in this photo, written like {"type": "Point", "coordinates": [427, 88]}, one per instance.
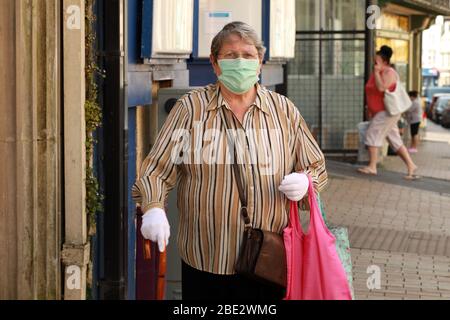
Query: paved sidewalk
{"type": "Point", "coordinates": [403, 276]}
{"type": "Point", "coordinates": [403, 227]}
{"type": "Point", "coordinates": [433, 158]}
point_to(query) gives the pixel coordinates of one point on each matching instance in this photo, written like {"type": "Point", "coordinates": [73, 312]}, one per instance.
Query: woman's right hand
{"type": "Point", "coordinates": [377, 68]}
{"type": "Point", "coordinates": [155, 227]}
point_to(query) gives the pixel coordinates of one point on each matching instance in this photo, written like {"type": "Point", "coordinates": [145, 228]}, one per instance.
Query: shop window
{"type": "Point", "coordinates": [400, 58]}
{"type": "Point", "coordinates": [393, 22]}
{"type": "Point", "coordinates": [167, 28]}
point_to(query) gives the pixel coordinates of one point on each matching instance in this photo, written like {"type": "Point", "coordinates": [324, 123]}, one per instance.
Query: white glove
{"type": "Point", "coordinates": [294, 186]}
{"type": "Point", "coordinates": [156, 228]}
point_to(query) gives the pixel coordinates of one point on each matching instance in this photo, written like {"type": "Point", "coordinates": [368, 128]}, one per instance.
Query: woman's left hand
{"type": "Point", "coordinates": [294, 186]}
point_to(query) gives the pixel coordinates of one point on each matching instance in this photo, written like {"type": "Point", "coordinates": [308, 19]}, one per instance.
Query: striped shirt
{"type": "Point", "coordinates": [192, 152]}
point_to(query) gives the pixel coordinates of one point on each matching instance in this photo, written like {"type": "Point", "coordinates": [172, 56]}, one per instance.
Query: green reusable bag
{"type": "Point", "coordinates": [342, 246]}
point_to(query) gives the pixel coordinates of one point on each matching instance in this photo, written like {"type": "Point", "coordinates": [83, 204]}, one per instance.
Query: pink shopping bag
{"type": "Point", "coordinates": [315, 271]}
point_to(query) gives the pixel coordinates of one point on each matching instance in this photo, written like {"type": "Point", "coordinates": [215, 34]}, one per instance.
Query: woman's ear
{"type": "Point", "coordinates": [260, 66]}
{"type": "Point", "coordinates": [214, 64]}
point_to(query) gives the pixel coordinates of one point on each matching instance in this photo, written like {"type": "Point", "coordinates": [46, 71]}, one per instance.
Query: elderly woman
{"type": "Point", "coordinates": [274, 149]}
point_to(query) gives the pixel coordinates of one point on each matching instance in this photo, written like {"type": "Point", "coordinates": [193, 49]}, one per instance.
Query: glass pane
{"type": "Point", "coordinates": [344, 57]}
{"type": "Point", "coordinates": [400, 48]}
{"type": "Point", "coordinates": [340, 89]}
{"type": "Point", "coordinates": [306, 58]}
{"type": "Point", "coordinates": [393, 22]}
{"type": "Point", "coordinates": [344, 15]}
{"type": "Point", "coordinates": [342, 93]}
{"type": "Point", "coordinates": [303, 82]}
{"type": "Point", "coordinates": [307, 15]}
{"type": "Point", "coordinates": [403, 23]}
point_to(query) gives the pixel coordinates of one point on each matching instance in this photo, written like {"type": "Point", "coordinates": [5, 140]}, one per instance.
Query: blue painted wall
{"type": "Point", "coordinates": [139, 76]}
{"type": "Point", "coordinates": [131, 206]}
{"type": "Point", "coordinates": [146, 35]}
{"type": "Point", "coordinates": [201, 72]}
{"type": "Point", "coordinates": [134, 30]}
{"type": "Point", "coordinates": [266, 26]}
{"type": "Point", "coordinates": [139, 94]}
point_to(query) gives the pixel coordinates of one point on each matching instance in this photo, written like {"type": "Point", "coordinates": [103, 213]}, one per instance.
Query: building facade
{"type": "Point", "coordinates": [436, 49]}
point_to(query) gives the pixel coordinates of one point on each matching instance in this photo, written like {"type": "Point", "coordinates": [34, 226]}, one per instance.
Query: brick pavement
{"type": "Point", "coordinates": [433, 158]}
{"type": "Point", "coordinates": [366, 203]}
{"type": "Point", "coordinates": [402, 229]}
{"type": "Point", "coordinates": [403, 275]}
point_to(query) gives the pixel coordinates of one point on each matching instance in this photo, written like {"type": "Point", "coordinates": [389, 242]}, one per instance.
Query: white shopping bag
{"type": "Point", "coordinates": [363, 153]}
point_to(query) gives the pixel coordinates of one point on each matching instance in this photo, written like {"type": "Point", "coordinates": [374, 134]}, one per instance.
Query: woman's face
{"type": "Point", "coordinates": [380, 62]}
{"type": "Point", "coordinates": [234, 48]}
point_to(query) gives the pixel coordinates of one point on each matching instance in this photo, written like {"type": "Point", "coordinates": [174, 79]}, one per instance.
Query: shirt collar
{"type": "Point", "coordinates": [218, 100]}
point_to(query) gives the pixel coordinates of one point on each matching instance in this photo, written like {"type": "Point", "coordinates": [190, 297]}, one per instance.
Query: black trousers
{"type": "Point", "coordinates": [204, 286]}
{"type": "Point", "coordinates": [415, 129]}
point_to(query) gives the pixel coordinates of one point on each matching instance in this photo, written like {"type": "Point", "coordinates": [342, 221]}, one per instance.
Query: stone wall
{"type": "Point", "coordinates": [30, 136]}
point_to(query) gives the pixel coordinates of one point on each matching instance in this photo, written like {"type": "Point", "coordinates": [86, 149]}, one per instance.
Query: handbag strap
{"type": "Point", "coordinates": [237, 177]}
{"type": "Point", "coordinates": [242, 196]}
{"type": "Point", "coordinates": [397, 81]}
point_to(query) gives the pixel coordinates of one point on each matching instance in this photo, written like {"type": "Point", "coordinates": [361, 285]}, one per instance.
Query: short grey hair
{"type": "Point", "coordinates": [241, 29]}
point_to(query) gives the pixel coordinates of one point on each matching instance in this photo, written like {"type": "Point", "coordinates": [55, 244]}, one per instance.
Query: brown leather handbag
{"type": "Point", "coordinates": [262, 254]}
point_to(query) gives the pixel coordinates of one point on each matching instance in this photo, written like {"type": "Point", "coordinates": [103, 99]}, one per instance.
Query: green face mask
{"type": "Point", "coordinates": [239, 75]}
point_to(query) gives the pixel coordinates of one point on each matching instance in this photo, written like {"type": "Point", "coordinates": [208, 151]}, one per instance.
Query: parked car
{"type": "Point", "coordinates": [445, 119]}
{"type": "Point", "coordinates": [430, 92]}
{"type": "Point", "coordinates": [441, 104]}
{"type": "Point", "coordinates": [429, 107]}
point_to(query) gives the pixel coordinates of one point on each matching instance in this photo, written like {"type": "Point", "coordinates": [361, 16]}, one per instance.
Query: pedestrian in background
{"type": "Point", "coordinates": [414, 117]}
{"type": "Point", "coordinates": [383, 125]}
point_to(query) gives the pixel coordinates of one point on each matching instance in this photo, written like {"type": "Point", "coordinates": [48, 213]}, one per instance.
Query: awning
{"type": "Point", "coordinates": [431, 7]}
